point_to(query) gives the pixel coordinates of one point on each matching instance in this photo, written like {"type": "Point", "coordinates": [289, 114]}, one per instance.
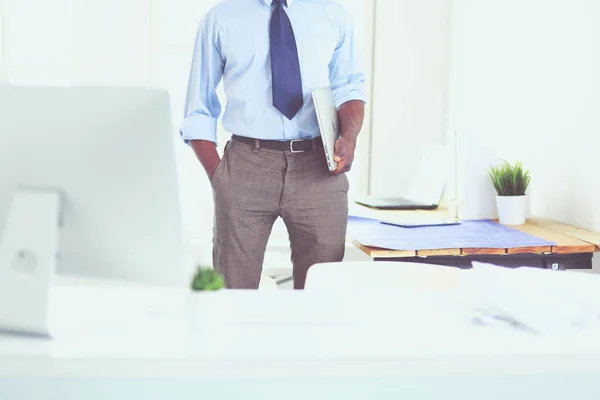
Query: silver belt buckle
{"type": "Point", "coordinates": [292, 146]}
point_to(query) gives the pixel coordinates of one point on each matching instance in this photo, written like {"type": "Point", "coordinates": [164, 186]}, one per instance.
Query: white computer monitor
{"type": "Point", "coordinates": [90, 173]}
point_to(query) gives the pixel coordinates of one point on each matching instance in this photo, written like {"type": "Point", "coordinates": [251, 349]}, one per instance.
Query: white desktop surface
{"type": "Point", "coordinates": [125, 339]}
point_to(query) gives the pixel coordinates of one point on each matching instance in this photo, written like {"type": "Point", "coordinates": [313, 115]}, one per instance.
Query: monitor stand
{"type": "Point", "coordinates": [28, 259]}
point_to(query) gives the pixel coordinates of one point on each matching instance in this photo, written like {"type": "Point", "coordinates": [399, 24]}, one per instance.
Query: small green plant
{"type": "Point", "coordinates": [510, 180]}
{"type": "Point", "coordinates": [207, 279]}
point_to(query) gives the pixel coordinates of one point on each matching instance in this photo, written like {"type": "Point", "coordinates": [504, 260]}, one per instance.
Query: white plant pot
{"type": "Point", "coordinates": [512, 210]}
{"type": "Point", "coordinates": [207, 311]}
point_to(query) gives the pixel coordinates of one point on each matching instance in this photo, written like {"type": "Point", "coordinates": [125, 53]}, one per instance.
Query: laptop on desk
{"type": "Point", "coordinates": [393, 203]}
{"type": "Point", "coordinates": [426, 187]}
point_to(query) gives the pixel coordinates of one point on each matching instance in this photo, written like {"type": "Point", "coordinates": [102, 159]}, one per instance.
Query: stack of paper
{"type": "Point", "coordinates": [542, 301]}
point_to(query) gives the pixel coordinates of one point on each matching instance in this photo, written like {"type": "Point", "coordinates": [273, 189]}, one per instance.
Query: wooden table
{"type": "Point", "coordinates": [573, 250]}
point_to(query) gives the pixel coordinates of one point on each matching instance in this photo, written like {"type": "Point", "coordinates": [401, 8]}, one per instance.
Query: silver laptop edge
{"type": "Point", "coordinates": [327, 118]}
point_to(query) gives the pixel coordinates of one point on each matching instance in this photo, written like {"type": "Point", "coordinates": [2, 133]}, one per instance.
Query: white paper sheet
{"type": "Point", "coordinates": [542, 301]}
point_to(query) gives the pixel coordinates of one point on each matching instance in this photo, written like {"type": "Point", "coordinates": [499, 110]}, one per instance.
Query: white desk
{"type": "Point", "coordinates": [127, 343]}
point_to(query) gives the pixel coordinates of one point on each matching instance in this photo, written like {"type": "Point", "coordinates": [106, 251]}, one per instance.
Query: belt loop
{"type": "Point", "coordinates": [256, 145]}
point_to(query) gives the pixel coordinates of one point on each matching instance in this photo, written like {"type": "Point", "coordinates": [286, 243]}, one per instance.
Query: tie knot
{"type": "Point", "coordinates": [278, 3]}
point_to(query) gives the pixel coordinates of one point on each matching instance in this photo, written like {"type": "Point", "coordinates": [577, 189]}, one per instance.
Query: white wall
{"type": "Point", "coordinates": [3, 39]}
{"type": "Point", "coordinates": [527, 85]}
{"type": "Point", "coordinates": [410, 82]}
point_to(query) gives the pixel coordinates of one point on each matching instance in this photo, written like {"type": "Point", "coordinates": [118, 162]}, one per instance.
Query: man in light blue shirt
{"type": "Point", "coordinates": [270, 55]}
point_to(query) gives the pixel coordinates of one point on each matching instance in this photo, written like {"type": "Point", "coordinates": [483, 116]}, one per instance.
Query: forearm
{"type": "Point", "coordinates": [207, 154]}
{"type": "Point", "coordinates": [351, 115]}
{"type": "Point", "coordinates": [202, 106]}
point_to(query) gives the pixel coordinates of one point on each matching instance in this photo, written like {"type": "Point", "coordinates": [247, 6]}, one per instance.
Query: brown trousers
{"type": "Point", "coordinates": [252, 187]}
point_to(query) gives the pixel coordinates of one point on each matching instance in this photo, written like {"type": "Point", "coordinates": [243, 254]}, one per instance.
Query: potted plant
{"type": "Point", "coordinates": [207, 279]}
{"type": "Point", "coordinates": [205, 308]}
{"type": "Point", "coordinates": [511, 183]}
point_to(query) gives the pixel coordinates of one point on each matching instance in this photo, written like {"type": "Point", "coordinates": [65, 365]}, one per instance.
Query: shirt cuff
{"type": "Point", "coordinates": [346, 93]}
{"type": "Point", "coordinates": [199, 127]}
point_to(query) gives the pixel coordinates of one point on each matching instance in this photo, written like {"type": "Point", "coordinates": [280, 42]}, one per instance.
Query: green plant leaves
{"type": "Point", "coordinates": [509, 180]}
{"type": "Point", "coordinates": [207, 279]}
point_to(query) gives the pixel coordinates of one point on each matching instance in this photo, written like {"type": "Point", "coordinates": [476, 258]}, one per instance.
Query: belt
{"type": "Point", "coordinates": [294, 146]}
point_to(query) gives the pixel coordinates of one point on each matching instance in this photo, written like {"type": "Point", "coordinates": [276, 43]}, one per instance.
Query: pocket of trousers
{"type": "Point", "coordinates": [346, 182]}
{"type": "Point", "coordinates": [214, 177]}
{"type": "Point", "coordinates": [220, 166]}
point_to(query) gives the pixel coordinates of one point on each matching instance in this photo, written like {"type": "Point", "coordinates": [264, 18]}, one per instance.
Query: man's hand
{"type": "Point", "coordinates": [213, 169]}
{"type": "Point", "coordinates": [343, 155]}
{"type": "Point", "coordinates": [207, 154]}
{"type": "Point", "coordinates": [351, 116]}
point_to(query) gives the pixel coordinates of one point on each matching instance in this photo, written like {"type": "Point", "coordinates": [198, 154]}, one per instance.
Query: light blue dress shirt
{"type": "Point", "coordinates": [232, 46]}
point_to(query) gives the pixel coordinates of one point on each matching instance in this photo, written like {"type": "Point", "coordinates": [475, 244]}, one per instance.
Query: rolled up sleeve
{"type": "Point", "coordinates": [202, 106]}
{"type": "Point", "coordinates": [345, 71]}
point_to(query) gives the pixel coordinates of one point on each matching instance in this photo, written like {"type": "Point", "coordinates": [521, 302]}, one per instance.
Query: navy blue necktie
{"type": "Point", "coordinates": [285, 66]}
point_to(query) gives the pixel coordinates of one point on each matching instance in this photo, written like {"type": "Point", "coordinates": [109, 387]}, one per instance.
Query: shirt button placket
{"type": "Point", "coordinates": [286, 127]}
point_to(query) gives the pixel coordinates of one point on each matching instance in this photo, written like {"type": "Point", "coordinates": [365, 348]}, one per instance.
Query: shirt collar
{"type": "Point", "coordinates": [269, 2]}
